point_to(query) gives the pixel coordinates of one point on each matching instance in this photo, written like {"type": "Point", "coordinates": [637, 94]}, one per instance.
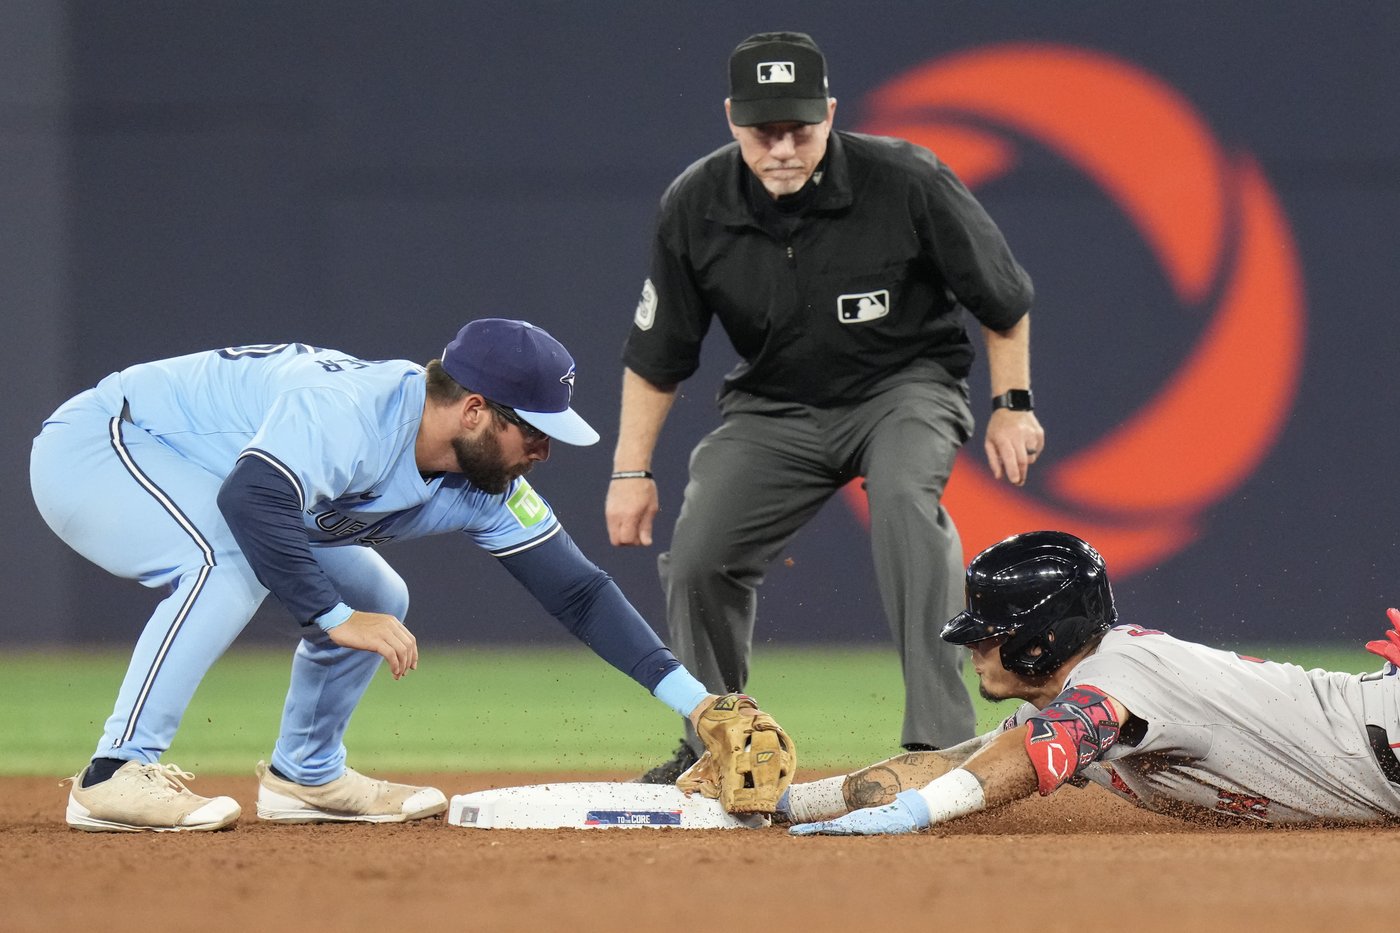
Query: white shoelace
{"type": "Point", "coordinates": [173, 775]}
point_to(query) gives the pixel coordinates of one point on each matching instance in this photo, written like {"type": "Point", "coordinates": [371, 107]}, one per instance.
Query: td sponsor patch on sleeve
{"type": "Point", "coordinates": [526, 505]}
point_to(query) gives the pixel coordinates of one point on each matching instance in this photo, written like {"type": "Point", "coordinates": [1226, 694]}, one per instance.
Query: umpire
{"type": "Point", "coordinates": [839, 265]}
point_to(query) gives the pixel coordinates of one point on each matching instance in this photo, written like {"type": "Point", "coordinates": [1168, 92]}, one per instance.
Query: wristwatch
{"type": "Point", "coordinates": [1014, 399]}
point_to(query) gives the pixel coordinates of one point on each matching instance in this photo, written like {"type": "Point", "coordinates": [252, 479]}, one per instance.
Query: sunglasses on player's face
{"type": "Point", "coordinates": [532, 434]}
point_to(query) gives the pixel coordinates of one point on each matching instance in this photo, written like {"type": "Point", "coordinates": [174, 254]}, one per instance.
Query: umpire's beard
{"type": "Point", "coordinates": [480, 460]}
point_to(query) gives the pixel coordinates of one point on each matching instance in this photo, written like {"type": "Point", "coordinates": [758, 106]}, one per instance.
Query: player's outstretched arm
{"type": "Point", "coordinates": [999, 772]}
{"type": "Point", "coordinates": [876, 785]}
{"type": "Point", "coordinates": [753, 759]}
{"type": "Point", "coordinates": [382, 634]}
{"type": "Point", "coordinates": [1079, 725]}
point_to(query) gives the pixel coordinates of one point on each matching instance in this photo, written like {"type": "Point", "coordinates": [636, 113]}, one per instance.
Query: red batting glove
{"type": "Point", "coordinates": [1390, 648]}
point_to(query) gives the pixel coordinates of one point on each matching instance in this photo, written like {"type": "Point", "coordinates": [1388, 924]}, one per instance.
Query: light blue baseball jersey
{"type": "Point", "coordinates": [340, 429]}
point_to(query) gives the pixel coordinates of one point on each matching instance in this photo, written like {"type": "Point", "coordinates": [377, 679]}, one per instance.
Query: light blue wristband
{"type": "Point", "coordinates": [333, 617]}
{"type": "Point", "coordinates": [680, 691]}
{"type": "Point", "coordinates": [917, 805]}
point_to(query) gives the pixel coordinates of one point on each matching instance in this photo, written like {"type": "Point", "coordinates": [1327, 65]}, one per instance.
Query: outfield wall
{"type": "Point", "coordinates": [1204, 194]}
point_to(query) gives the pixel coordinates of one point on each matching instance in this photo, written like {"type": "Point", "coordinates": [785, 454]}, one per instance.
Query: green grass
{"type": "Point", "coordinates": [481, 710]}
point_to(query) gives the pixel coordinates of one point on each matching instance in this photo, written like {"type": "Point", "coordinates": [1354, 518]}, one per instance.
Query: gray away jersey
{"type": "Point", "coordinates": [1232, 736]}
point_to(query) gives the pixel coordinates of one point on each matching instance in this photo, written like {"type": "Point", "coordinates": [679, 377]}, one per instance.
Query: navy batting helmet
{"type": "Point", "coordinates": [1047, 591]}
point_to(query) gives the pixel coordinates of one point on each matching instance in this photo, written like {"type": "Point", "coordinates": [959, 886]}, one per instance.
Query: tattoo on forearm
{"type": "Point", "coordinates": [877, 785]}
{"type": "Point", "coordinates": [874, 786]}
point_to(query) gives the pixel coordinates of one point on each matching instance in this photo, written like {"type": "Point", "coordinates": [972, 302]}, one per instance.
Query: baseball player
{"type": "Point", "coordinates": [1169, 725]}
{"type": "Point", "coordinates": [222, 476]}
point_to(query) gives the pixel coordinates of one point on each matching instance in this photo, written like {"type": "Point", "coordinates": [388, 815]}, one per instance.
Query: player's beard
{"type": "Point", "coordinates": [480, 460]}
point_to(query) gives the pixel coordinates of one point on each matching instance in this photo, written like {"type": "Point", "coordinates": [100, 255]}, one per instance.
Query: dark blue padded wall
{"type": "Point", "coordinates": [368, 177]}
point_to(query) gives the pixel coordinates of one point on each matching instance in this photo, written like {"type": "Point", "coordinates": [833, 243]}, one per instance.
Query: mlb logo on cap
{"type": "Point", "coordinates": [775, 73]}
{"type": "Point", "coordinates": [777, 77]}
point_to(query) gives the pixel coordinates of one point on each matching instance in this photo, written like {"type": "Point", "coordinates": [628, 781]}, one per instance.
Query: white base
{"type": "Point", "coordinates": [593, 805]}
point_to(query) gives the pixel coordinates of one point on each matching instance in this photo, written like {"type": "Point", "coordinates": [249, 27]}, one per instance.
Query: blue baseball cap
{"type": "Point", "coordinates": [519, 365]}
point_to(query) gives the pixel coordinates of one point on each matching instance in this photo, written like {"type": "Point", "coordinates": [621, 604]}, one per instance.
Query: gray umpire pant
{"type": "Point", "coordinates": [764, 473]}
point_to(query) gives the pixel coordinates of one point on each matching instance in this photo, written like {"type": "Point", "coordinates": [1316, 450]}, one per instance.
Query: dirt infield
{"type": "Point", "coordinates": [1079, 859]}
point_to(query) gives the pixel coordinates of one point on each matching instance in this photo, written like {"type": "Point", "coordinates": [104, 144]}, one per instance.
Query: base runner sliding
{"type": "Point", "coordinates": [1169, 725]}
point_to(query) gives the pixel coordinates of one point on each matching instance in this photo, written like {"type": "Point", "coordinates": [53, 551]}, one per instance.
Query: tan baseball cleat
{"type": "Point", "coordinates": [350, 798]}
{"type": "Point", "coordinates": [142, 797]}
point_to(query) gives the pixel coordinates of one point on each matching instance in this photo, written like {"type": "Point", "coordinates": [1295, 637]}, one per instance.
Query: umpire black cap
{"type": "Point", "coordinates": [777, 77]}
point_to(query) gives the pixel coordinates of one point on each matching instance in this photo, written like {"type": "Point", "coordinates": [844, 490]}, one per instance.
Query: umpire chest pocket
{"type": "Point", "coordinates": [854, 299]}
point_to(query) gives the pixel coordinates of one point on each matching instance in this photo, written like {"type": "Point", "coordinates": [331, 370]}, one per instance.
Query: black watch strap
{"type": "Point", "coordinates": [1014, 399]}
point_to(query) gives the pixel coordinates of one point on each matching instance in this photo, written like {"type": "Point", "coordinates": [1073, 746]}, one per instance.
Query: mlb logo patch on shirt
{"type": "Point", "coordinates": [866, 306]}
{"type": "Point", "coordinates": [776, 73]}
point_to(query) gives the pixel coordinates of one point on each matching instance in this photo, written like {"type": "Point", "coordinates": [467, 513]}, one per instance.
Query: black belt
{"type": "Point", "coordinates": [1386, 756]}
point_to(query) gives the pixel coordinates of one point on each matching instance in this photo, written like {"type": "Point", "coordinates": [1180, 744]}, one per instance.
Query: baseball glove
{"type": "Point", "coordinates": [748, 761]}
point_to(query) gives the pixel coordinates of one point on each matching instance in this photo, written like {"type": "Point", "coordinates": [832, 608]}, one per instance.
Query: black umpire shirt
{"type": "Point", "coordinates": [858, 291]}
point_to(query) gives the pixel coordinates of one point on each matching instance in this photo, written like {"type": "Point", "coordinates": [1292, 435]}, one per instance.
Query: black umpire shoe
{"type": "Point", "coordinates": [668, 771]}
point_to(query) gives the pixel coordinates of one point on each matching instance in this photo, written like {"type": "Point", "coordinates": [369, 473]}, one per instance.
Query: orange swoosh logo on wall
{"type": "Point", "coordinates": [1216, 228]}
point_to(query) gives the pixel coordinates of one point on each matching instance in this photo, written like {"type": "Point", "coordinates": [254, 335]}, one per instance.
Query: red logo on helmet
{"type": "Point", "coordinates": [1216, 228]}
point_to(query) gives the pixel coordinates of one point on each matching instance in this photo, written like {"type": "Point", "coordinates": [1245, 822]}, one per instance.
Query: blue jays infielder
{"type": "Point", "coordinates": [221, 476]}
